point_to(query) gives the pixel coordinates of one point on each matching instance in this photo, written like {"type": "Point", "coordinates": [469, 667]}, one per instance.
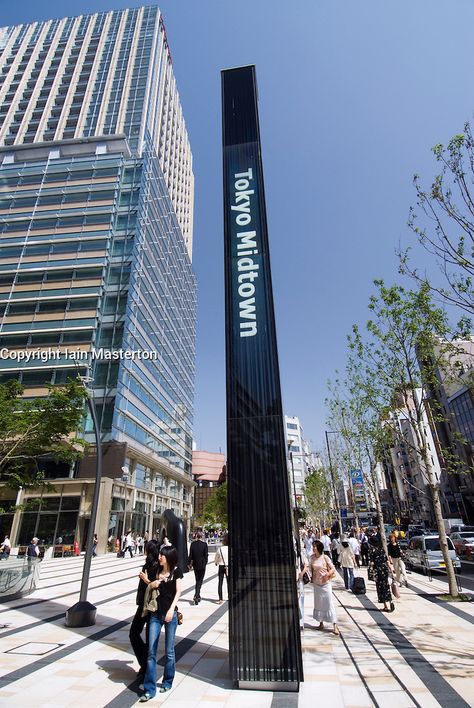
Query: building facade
{"type": "Point", "coordinates": [209, 471]}
{"type": "Point", "coordinates": [302, 458]}
{"type": "Point", "coordinates": [96, 217]}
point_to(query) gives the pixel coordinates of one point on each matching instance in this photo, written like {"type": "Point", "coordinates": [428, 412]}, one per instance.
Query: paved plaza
{"type": "Point", "coordinates": [421, 655]}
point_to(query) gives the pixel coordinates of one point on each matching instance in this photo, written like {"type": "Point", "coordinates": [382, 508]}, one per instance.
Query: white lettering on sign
{"type": "Point", "coordinates": [246, 247]}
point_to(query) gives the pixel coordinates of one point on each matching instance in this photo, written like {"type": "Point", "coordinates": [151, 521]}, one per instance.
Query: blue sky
{"type": "Point", "coordinates": [353, 95]}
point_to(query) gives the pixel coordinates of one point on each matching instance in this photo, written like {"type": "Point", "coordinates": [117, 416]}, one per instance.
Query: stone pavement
{"type": "Point", "coordinates": [420, 655]}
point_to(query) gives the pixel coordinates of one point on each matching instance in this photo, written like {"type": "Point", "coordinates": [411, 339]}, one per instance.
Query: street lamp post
{"type": "Point", "coordinates": [295, 507]}
{"type": "Point", "coordinates": [125, 478]}
{"type": "Point", "coordinates": [83, 613]}
{"type": "Point", "coordinates": [331, 471]}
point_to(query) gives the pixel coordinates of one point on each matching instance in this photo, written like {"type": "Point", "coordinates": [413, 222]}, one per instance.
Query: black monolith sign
{"type": "Point", "coordinates": [264, 637]}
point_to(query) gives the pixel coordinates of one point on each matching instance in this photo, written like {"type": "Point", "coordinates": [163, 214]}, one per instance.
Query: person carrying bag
{"type": "Point", "coordinates": [221, 559]}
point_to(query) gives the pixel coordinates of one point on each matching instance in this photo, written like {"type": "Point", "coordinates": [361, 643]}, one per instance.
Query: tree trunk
{"type": "Point", "coordinates": [434, 489]}
{"type": "Point", "coordinates": [378, 506]}
{"type": "Point", "coordinates": [443, 540]}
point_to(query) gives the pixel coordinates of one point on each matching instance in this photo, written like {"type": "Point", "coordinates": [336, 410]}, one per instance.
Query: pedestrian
{"type": "Point", "coordinates": [221, 559]}
{"type": "Point", "coordinates": [140, 544]}
{"type": "Point", "coordinates": [302, 570]}
{"type": "Point", "coordinates": [32, 551]}
{"type": "Point", "coordinates": [395, 555]}
{"type": "Point", "coordinates": [322, 572]}
{"type": "Point", "coordinates": [348, 563]}
{"type": "Point", "coordinates": [168, 586]}
{"type": "Point", "coordinates": [5, 549]}
{"type": "Point", "coordinates": [94, 545]}
{"type": "Point", "coordinates": [165, 542]}
{"type": "Point", "coordinates": [308, 542]}
{"type": "Point", "coordinates": [364, 547]}
{"type": "Point", "coordinates": [197, 561]}
{"type": "Point", "coordinates": [326, 541]}
{"type": "Point", "coordinates": [336, 549]}
{"type": "Point", "coordinates": [150, 570]}
{"type": "Point", "coordinates": [381, 569]}
{"type": "Point", "coordinates": [354, 544]}
{"type": "Point", "coordinates": [127, 544]}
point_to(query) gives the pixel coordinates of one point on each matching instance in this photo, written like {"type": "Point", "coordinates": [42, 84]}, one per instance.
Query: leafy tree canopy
{"type": "Point", "coordinates": [32, 429]}
{"type": "Point", "coordinates": [215, 510]}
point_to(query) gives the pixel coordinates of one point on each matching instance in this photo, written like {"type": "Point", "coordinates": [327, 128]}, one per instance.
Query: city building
{"type": "Point", "coordinates": [209, 471]}
{"type": "Point", "coordinates": [301, 458]}
{"type": "Point", "coordinates": [96, 222]}
{"type": "Point", "coordinates": [453, 403]}
{"type": "Point", "coordinates": [409, 495]}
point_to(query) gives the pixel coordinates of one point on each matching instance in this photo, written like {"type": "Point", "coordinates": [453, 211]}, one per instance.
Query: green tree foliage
{"type": "Point", "coordinates": [215, 510]}
{"type": "Point", "coordinates": [355, 414]}
{"type": "Point", "coordinates": [443, 221]}
{"type": "Point", "coordinates": [318, 494]}
{"type": "Point", "coordinates": [31, 429]}
{"type": "Point", "coordinates": [406, 328]}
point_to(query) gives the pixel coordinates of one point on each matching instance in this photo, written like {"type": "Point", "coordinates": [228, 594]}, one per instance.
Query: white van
{"type": "Point", "coordinates": [425, 552]}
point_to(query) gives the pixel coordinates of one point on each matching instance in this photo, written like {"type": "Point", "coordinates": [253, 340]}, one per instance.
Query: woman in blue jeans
{"type": "Point", "coordinates": [168, 583]}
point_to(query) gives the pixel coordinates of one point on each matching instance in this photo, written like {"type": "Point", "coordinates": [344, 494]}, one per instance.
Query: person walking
{"type": "Point", "coordinates": [221, 559]}
{"type": "Point", "coordinates": [33, 551]}
{"type": "Point", "coordinates": [197, 561]}
{"type": "Point", "coordinates": [6, 548]}
{"type": "Point", "coordinates": [322, 572]}
{"type": "Point", "coordinates": [364, 547]}
{"type": "Point", "coordinates": [348, 563]}
{"type": "Point", "coordinates": [168, 586]}
{"type": "Point", "coordinates": [95, 541]}
{"type": "Point", "coordinates": [128, 544]}
{"type": "Point", "coordinates": [395, 555]}
{"type": "Point", "coordinates": [336, 549]}
{"type": "Point", "coordinates": [326, 541]}
{"type": "Point", "coordinates": [354, 544]}
{"type": "Point", "coordinates": [148, 573]}
{"type": "Point", "coordinates": [381, 567]}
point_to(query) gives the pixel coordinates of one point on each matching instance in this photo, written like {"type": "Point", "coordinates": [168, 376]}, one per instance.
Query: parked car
{"type": "Point", "coordinates": [424, 552]}
{"type": "Point", "coordinates": [464, 543]}
{"type": "Point", "coordinates": [460, 527]}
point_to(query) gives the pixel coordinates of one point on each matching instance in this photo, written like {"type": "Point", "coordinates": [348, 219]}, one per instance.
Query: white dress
{"type": "Point", "coordinates": [324, 606]}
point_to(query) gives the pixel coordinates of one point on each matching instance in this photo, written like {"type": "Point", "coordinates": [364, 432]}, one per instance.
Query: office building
{"type": "Point", "coordinates": [96, 220]}
{"type": "Point", "coordinates": [302, 458]}
{"type": "Point", "coordinates": [209, 471]}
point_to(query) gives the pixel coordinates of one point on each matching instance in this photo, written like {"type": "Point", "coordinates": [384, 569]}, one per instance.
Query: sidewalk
{"type": "Point", "coordinates": [420, 655]}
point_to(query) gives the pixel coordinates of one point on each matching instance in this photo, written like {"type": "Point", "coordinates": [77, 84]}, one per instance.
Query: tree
{"type": "Point", "coordinates": [32, 430]}
{"type": "Point", "coordinates": [215, 510]}
{"type": "Point", "coordinates": [406, 328]}
{"type": "Point", "coordinates": [446, 228]}
{"type": "Point", "coordinates": [318, 494]}
{"type": "Point", "coordinates": [355, 411]}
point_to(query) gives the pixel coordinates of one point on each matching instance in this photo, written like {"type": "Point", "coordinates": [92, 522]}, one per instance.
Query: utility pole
{"type": "Point", "coordinates": [333, 480]}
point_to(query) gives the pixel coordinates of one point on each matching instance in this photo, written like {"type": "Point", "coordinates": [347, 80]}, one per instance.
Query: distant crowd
{"type": "Point", "coordinates": [323, 551]}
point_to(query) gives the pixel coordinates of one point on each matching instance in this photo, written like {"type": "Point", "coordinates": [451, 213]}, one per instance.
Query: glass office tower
{"type": "Point", "coordinates": [96, 215]}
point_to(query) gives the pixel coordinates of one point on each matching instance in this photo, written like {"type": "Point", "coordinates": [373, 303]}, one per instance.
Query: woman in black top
{"type": "Point", "coordinates": [151, 568]}
{"type": "Point", "coordinates": [168, 583]}
{"type": "Point", "coordinates": [395, 553]}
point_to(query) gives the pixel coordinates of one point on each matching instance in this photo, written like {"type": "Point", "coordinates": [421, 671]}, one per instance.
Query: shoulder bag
{"type": "Point", "coordinates": [330, 569]}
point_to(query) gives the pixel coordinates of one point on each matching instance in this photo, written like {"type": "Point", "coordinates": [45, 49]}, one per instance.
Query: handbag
{"type": "Point", "coordinates": [395, 589]}
{"type": "Point", "coordinates": [331, 571]}
{"type": "Point", "coordinates": [306, 577]}
{"type": "Point", "coordinates": [180, 617]}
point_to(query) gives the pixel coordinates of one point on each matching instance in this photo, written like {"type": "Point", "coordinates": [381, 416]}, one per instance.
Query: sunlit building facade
{"type": "Point", "coordinates": [96, 216]}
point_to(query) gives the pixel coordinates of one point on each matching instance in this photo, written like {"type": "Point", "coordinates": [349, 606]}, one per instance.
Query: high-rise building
{"type": "Point", "coordinates": [96, 220]}
{"type": "Point", "coordinates": [302, 458]}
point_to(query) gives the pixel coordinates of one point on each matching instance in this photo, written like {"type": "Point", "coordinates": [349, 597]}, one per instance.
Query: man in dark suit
{"type": "Point", "coordinates": [197, 561]}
